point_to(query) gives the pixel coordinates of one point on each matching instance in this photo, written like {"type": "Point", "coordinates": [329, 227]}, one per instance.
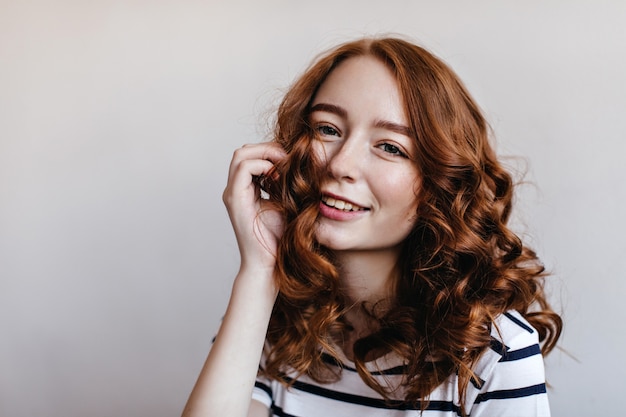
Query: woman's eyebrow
{"type": "Point", "coordinates": [394, 127]}
{"type": "Point", "coordinates": [330, 108]}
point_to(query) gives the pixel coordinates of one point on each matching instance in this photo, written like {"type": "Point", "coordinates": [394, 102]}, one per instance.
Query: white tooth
{"type": "Point", "coordinates": [340, 204]}
{"type": "Point", "coordinates": [347, 206]}
{"type": "Point", "coordinates": [331, 201]}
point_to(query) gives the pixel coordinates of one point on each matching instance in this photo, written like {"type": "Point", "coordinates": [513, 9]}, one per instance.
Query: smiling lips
{"type": "Point", "coordinates": [341, 204]}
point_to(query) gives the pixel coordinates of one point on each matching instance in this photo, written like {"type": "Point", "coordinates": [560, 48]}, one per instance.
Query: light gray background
{"type": "Point", "coordinates": [117, 123]}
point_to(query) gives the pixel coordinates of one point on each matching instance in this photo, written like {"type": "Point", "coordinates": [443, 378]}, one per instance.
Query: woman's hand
{"type": "Point", "coordinates": [257, 225]}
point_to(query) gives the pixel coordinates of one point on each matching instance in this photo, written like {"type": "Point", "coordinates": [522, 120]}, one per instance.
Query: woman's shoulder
{"type": "Point", "coordinates": [510, 374]}
{"type": "Point", "coordinates": [513, 338]}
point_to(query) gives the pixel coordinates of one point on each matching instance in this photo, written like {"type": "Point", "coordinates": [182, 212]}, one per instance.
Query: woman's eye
{"type": "Point", "coordinates": [392, 149]}
{"type": "Point", "coordinates": [327, 130]}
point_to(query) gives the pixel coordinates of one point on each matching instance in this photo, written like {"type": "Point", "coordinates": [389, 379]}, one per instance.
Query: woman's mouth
{"type": "Point", "coordinates": [341, 204]}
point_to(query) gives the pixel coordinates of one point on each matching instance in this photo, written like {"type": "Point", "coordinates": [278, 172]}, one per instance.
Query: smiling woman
{"type": "Point", "coordinates": [380, 277]}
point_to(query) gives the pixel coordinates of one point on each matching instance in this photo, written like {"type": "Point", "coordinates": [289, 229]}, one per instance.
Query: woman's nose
{"type": "Point", "coordinates": [346, 160]}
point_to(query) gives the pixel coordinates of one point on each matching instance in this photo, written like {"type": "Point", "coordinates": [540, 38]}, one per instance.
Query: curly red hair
{"type": "Point", "coordinates": [461, 266]}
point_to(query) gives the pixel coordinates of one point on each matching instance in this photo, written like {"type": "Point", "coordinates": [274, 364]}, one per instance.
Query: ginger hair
{"type": "Point", "coordinates": [460, 267]}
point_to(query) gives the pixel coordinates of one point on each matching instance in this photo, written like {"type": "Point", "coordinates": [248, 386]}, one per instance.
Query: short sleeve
{"type": "Point", "coordinates": [262, 392]}
{"type": "Point", "coordinates": [512, 372]}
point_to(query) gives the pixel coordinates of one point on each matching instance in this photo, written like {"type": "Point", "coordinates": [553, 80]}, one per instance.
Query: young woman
{"type": "Point", "coordinates": [378, 275]}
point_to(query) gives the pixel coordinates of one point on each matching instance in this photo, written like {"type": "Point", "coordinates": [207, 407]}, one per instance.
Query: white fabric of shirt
{"type": "Point", "coordinates": [512, 371]}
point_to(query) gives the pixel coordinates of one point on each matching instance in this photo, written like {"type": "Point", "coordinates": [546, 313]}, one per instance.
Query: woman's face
{"type": "Point", "coordinates": [369, 189]}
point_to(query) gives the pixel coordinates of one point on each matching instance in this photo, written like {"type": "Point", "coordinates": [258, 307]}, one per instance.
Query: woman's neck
{"type": "Point", "coordinates": [368, 276]}
{"type": "Point", "coordinates": [367, 280]}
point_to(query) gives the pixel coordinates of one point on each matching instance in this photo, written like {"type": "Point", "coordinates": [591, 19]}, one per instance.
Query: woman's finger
{"type": "Point", "coordinates": [242, 178]}
{"type": "Point", "coordinates": [268, 151]}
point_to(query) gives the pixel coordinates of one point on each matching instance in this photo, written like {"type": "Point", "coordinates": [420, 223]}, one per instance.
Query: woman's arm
{"type": "Point", "coordinates": [225, 384]}
{"type": "Point", "coordinates": [224, 387]}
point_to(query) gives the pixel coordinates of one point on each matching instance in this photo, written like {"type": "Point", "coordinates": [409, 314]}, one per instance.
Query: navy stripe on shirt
{"type": "Point", "coordinates": [511, 393]}
{"type": "Point", "coordinates": [519, 322]}
{"type": "Point", "coordinates": [265, 388]}
{"type": "Point", "coordinates": [498, 347]}
{"type": "Point", "coordinates": [514, 355]}
{"type": "Point", "coordinates": [371, 402]}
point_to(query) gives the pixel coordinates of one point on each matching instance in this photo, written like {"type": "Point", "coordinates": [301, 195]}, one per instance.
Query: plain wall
{"type": "Point", "coordinates": [117, 123]}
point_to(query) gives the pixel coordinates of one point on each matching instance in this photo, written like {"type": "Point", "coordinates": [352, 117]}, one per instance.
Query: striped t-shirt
{"type": "Point", "coordinates": [511, 372]}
